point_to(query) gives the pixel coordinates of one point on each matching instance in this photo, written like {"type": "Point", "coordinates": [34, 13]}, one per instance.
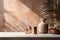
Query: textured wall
{"type": "Point", "coordinates": [19, 14]}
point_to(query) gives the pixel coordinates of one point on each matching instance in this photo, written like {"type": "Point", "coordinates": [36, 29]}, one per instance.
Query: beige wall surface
{"type": "Point", "coordinates": [19, 14]}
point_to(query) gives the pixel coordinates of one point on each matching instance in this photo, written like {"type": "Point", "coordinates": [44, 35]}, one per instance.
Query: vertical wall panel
{"type": "Point", "coordinates": [1, 15]}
